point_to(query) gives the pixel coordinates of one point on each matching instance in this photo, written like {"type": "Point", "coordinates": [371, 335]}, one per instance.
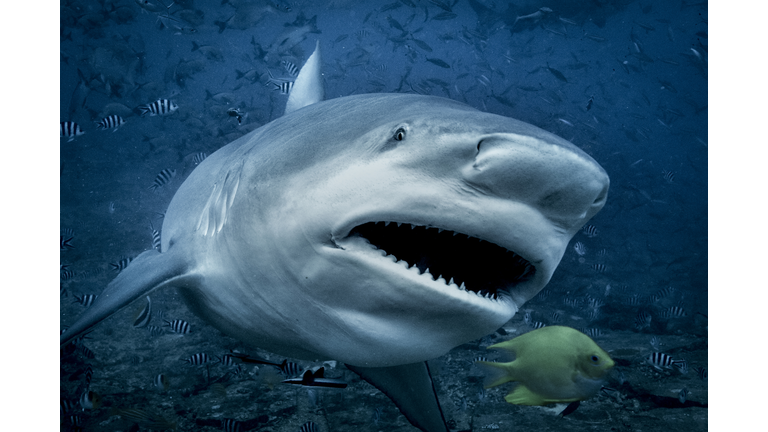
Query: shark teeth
{"type": "Point", "coordinates": [448, 257]}
{"type": "Point", "coordinates": [439, 279]}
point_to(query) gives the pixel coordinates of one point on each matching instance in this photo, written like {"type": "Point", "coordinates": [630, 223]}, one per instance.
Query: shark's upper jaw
{"type": "Point", "coordinates": [462, 261]}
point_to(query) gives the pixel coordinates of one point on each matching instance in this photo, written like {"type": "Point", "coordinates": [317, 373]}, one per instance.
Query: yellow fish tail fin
{"type": "Point", "coordinates": [522, 395]}
{"type": "Point", "coordinates": [495, 373]}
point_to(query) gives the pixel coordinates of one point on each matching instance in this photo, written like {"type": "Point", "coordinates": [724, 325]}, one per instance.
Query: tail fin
{"type": "Point", "coordinates": [495, 373]}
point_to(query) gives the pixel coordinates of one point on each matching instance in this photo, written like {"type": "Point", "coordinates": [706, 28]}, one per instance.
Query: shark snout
{"type": "Point", "coordinates": [542, 171]}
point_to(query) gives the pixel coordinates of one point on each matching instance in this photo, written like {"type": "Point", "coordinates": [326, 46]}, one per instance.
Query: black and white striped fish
{"type": "Point", "coordinates": [161, 382]}
{"type": "Point", "coordinates": [308, 427]}
{"type": "Point", "coordinates": [592, 332]}
{"type": "Point", "coordinates": [642, 320]}
{"type": "Point", "coordinates": [634, 300]}
{"type": "Point", "coordinates": [67, 275]}
{"type": "Point", "coordinates": [572, 302]}
{"type": "Point", "coordinates": [555, 317]}
{"type": "Point", "coordinates": [110, 122]}
{"type": "Point", "coordinates": [232, 425]}
{"type": "Point", "coordinates": [600, 268]}
{"type": "Point", "coordinates": [163, 178]}
{"type": "Point", "coordinates": [227, 360]}
{"type": "Point", "coordinates": [660, 360]}
{"type": "Point", "coordinates": [199, 157]}
{"type": "Point", "coordinates": [290, 68]}
{"type": "Point", "coordinates": [155, 237]}
{"type": "Point", "coordinates": [669, 176]}
{"type": "Point", "coordinates": [589, 231]}
{"type": "Point", "coordinates": [69, 130]}
{"type": "Point", "coordinates": [86, 300]}
{"type": "Point", "coordinates": [76, 420]}
{"type": "Point", "coordinates": [198, 359]}
{"type": "Point", "coordinates": [142, 320]}
{"type": "Point", "coordinates": [67, 406]}
{"type": "Point", "coordinates": [674, 312]}
{"type": "Point", "coordinates": [85, 352]}
{"type": "Point", "coordinates": [290, 369]}
{"type": "Point", "coordinates": [593, 314]}
{"type": "Point", "coordinates": [88, 376]}
{"type": "Point", "coordinates": [663, 293]}
{"type": "Point", "coordinates": [65, 243]}
{"type": "Point", "coordinates": [155, 330]}
{"type": "Point", "coordinates": [284, 87]}
{"type": "Point", "coordinates": [161, 107]}
{"type": "Point", "coordinates": [179, 326]}
{"type": "Point", "coordinates": [595, 303]}
{"type": "Point", "coordinates": [580, 248]}
{"type": "Point", "coordinates": [121, 265]}
{"type": "Point", "coordinates": [537, 325]}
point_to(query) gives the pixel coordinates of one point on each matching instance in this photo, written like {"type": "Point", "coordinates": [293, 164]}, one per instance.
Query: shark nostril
{"type": "Point", "coordinates": [600, 200]}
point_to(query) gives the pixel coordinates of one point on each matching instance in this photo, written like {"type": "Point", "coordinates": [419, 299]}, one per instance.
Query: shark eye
{"type": "Point", "coordinates": [399, 134]}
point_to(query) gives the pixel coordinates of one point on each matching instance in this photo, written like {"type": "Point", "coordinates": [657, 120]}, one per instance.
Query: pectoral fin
{"type": "Point", "coordinates": [410, 388]}
{"type": "Point", "coordinates": [149, 271]}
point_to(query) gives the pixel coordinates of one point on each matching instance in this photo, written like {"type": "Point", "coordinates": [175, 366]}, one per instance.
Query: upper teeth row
{"type": "Point", "coordinates": [440, 278]}
{"type": "Point", "coordinates": [439, 230]}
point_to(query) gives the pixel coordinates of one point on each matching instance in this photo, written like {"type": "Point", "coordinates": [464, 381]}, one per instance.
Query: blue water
{"type": "Point", "coordinates": [625, 81]}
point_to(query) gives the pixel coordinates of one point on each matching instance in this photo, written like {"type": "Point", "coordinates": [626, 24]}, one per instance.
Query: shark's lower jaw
{"type": "Point", "coordinates": [472, 264]}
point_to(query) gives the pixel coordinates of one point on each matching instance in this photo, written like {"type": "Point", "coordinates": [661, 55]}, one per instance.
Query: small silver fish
{"type": "Point", "coordinates": [682, 395]}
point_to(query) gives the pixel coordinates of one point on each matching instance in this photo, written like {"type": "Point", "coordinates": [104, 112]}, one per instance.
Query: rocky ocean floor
{"type": "Point", "coordinates": [126, 360]}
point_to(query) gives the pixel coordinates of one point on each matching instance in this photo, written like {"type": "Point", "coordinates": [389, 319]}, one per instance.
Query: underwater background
{"type": "Point", "coordinates": [625, 81]}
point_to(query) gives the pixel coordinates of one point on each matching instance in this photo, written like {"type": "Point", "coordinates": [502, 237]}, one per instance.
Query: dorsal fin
{"type": "Point", "coordinates": [308, 87]}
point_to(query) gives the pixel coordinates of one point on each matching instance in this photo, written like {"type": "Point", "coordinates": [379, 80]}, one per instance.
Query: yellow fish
{"type": "Point", "coordinates": [552, 365]}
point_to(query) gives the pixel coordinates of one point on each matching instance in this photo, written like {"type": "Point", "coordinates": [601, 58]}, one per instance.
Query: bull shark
{"type": "Point", "coordinates": [379, 230]}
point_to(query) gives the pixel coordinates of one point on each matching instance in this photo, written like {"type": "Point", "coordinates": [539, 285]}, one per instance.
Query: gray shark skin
{"type": "Point", "coordinates": [270, 238]}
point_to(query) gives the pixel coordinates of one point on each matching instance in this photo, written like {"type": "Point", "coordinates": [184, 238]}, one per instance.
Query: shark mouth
{"type": "Point", "coordinates": [471, 263]}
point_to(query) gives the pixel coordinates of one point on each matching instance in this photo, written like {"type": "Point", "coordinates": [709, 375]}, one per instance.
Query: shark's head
{"type": "Point", "coordinates": [329, 235]}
